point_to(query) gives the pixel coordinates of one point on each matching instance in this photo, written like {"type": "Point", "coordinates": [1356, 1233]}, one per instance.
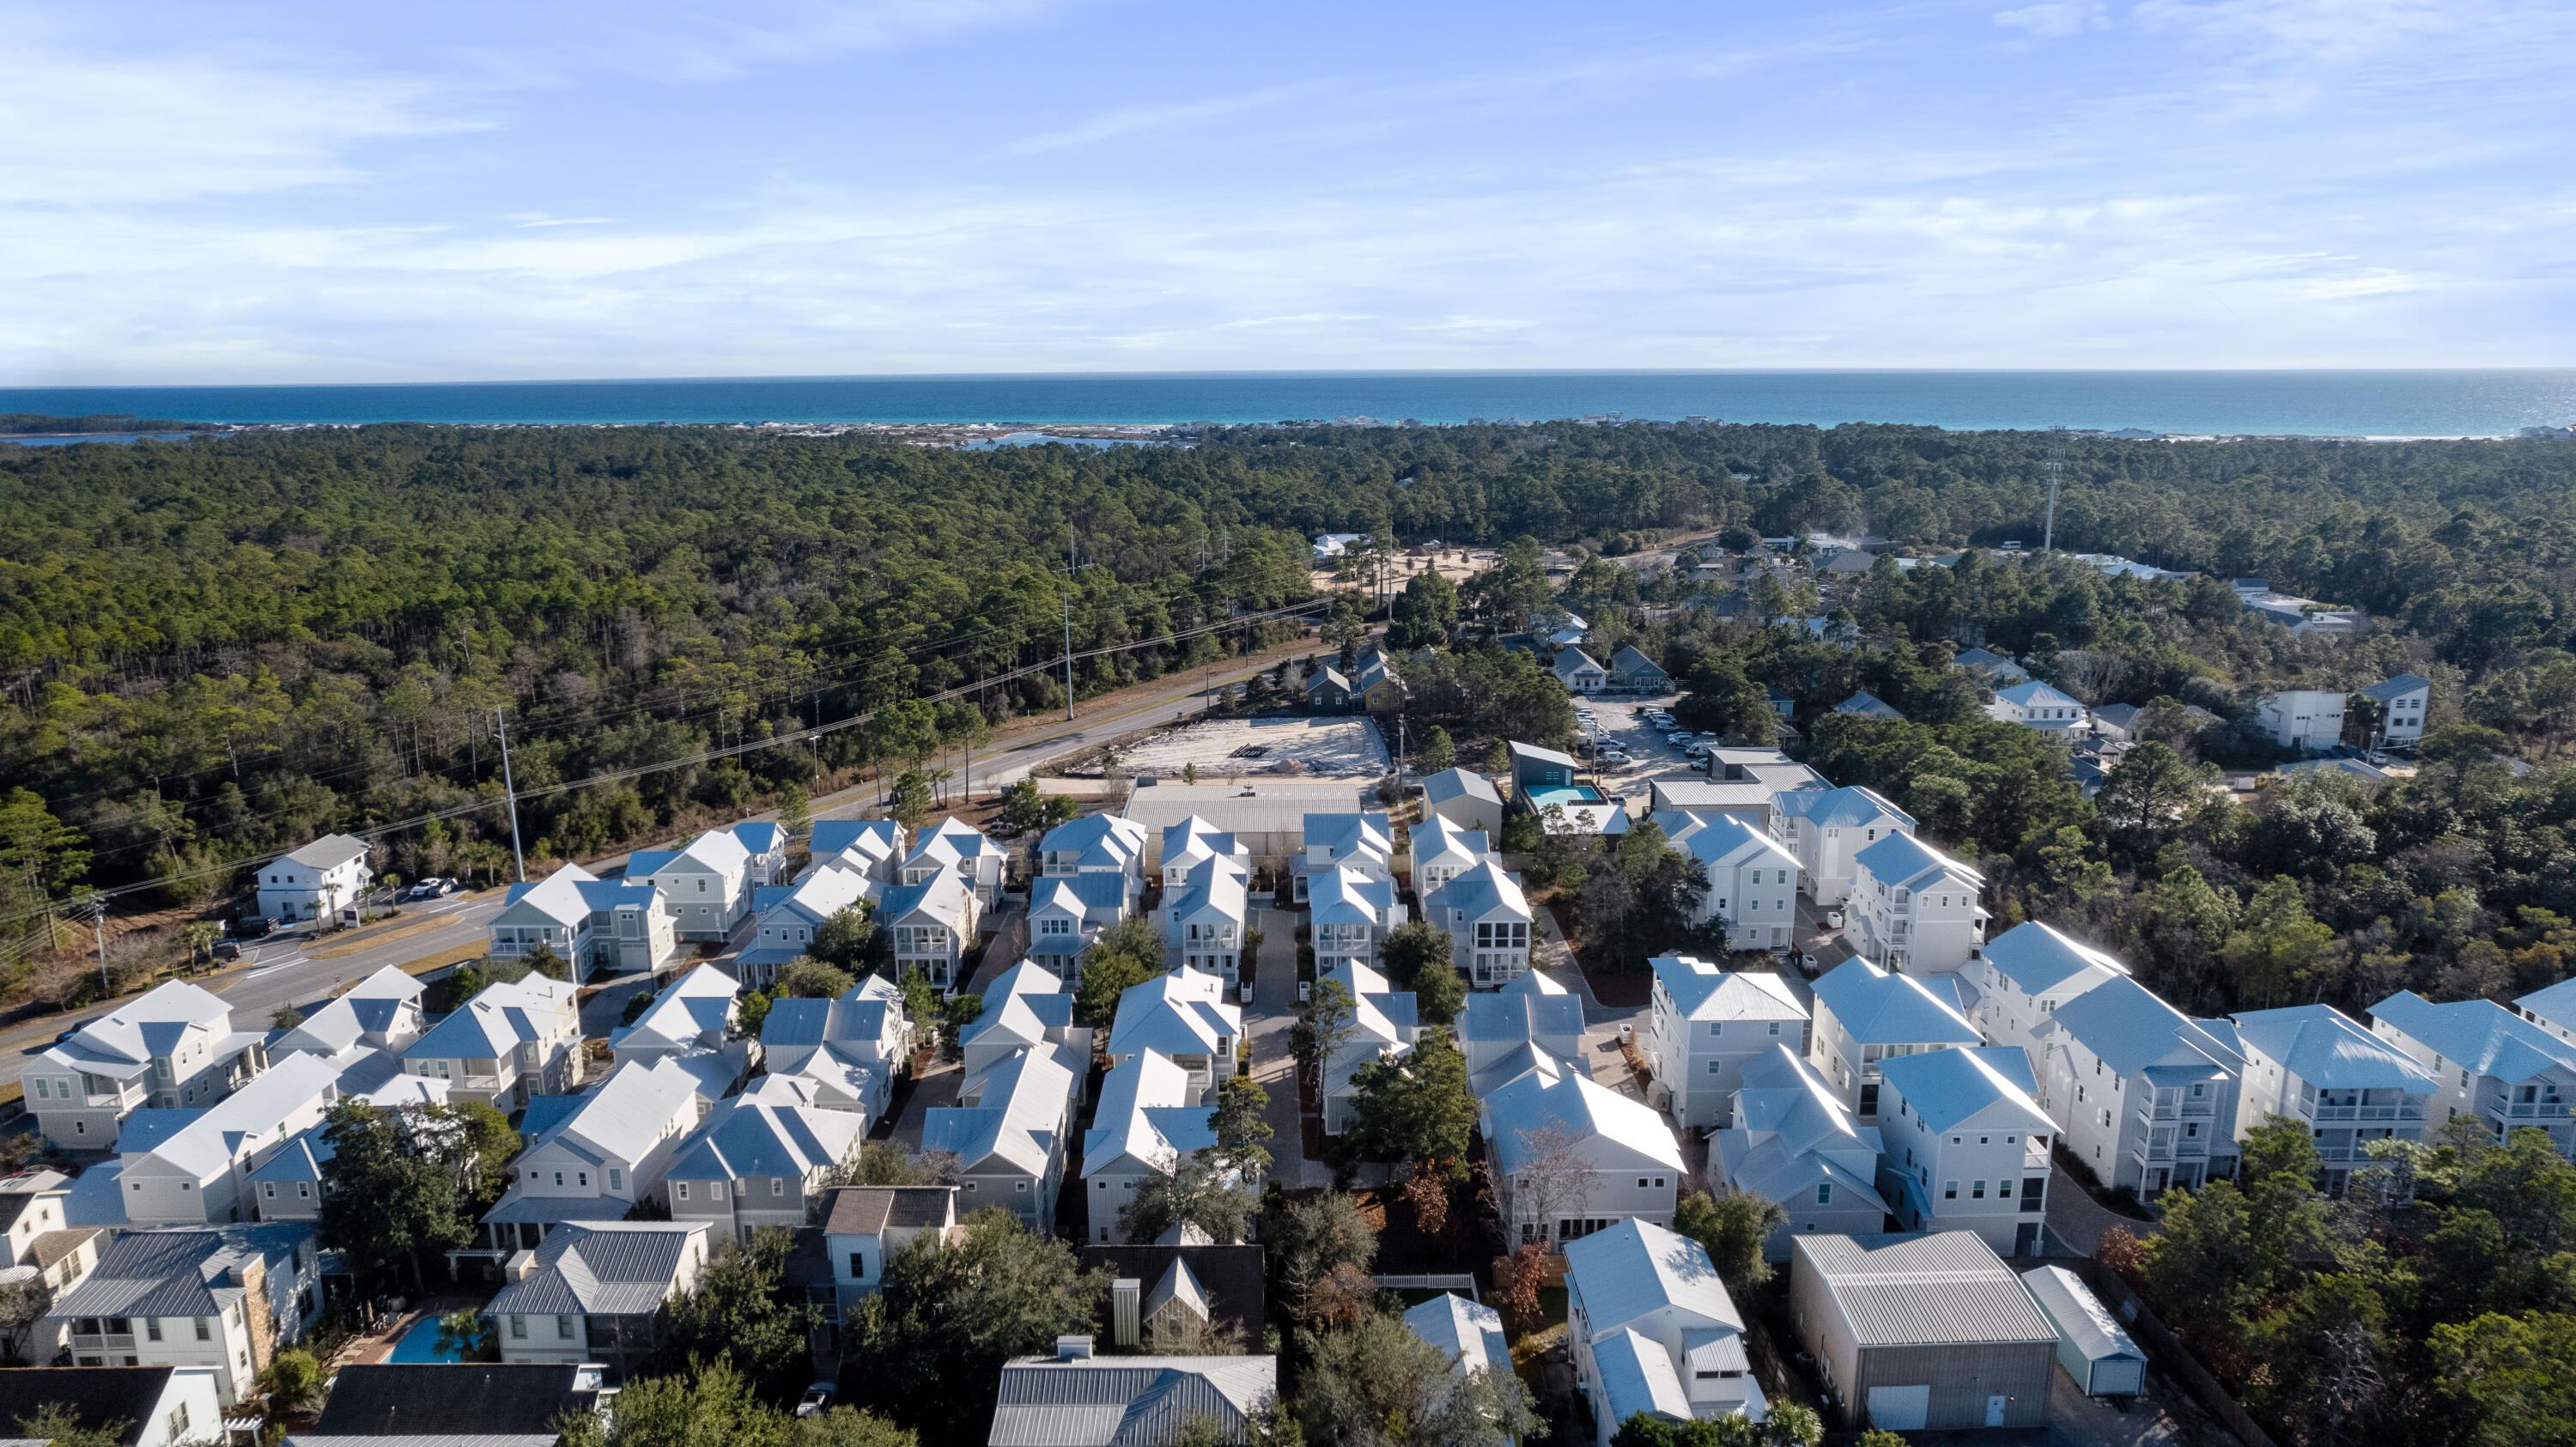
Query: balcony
{"type": "Point", "coordinates": [480, 1082]}
{"type": "Point", "coordinates": [2411, 1110]}
{"type": "Point", "coordinates": [2537, 1110]}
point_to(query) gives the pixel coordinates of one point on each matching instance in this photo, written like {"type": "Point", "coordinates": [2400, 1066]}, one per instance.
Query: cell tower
{"type": "Point", "coordinates": [2056, 466]}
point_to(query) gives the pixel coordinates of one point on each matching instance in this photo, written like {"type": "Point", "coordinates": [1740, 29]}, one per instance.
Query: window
{"type": "Point", "coordinates": [778, 1185]}
{"type": "Point", "coordinates": [1824, 1193]}
{"type": "Point", "coordinates": [152, 1328]}
{"type": "Point", "coordinates": [858, 1263]}
{"type": "Point", "coordinates": [616, 1179]}
{"type": "Point", "coordinates": [1641, 1183]}
{"type": "Point", "coordinates": [1717, 1067]}
{"type": "Point", "coordinates": [584, 1178]}
{"type": "Point", "coordinates": [205, 1329]}
{"type": "Point", "coordinates": [1949, 1190]}
{"type": "Point", "coordinates": [1716, 1028]}
{"type": "Point", "coordinates": [715, 1190]}
{"type": "Point", "coordinates": [563, 1328]}
{"type": "Point", "coordinates": [683, 1188]}
{"type": "Point", "coordinates": [1775, 1027]}
{"type": "Point", "coordinates": [1977, 1190]}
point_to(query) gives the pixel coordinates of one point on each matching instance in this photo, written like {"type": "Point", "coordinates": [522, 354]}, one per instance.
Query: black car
{"type": "Point", "coordinates": [228, 949]}
{"type": "Point", "coordinates": [252, 927]}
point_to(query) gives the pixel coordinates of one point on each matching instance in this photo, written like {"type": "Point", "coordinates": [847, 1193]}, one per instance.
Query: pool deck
{"type": "Point", "coordinates": [378, 1346]}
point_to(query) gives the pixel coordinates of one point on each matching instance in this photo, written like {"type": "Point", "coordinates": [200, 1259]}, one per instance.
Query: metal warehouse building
{"type": "Point", "coordinates": [1922, 1332]}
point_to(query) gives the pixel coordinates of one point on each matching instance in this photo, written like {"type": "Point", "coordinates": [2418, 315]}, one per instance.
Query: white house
{"type": "Point", "coordinates": [1794, 1142]}
{"type": "Point", "coordinates": [1528, 1020]}
{"type": "Point", "coordinates": [1183, 1016]}
{"type": "Point", "coordinates": [608, 1154]}
{"type": "Point", "coordinates": [1572, 1157]}
{"type": "Point", "coordinates": [2026, 973]}
{"type": "Point", "coordinates": [380, 1012]}
{"type": "Point", "coordinates": [1442, 851]}
{"type": "Point", "coordinates": [1654, 1331]}
{"type": "Point", "coordinates": [1193, 842]}
{"type": "Point", "coordinates": [186, 1166]}
{"type": "Point", "coordinates": [2402, 701]}
{"type": "Point", "coordinates": [2302, 718]}
{"type": "Point", "coordinates": [2552, 1008]}
{"type": "Point", "coordinates": [584, 920]}
{"type": "Point", "coordinates": [325, 878]}
{"type": "Point", "coordinates": [1965, 1147]}
{"type": "Point", "coordinates": [517, 1039]}
{"type": "Point", "coordinates": [1096, 844]}
{"type": "Point", "coordinates": [694, 1015]}
{"type": "Point", "coordinates": [865, 1226]}
{"type": "Point", "coordinates": [597, 1291]}
{"type": "Point", "coordinates": [2143, 1094]}
{"type": "Point", "coordinates": [204, 1298]}
{"type": "Point", "coordinates": [786, 918]}
{"type": "Point", "coordinates": [1488, 920]}
{"type": "Point", "coordinates": [706, 886]}
{"type": "Point", "coordinates": [1575, 669]}
{"type": "Point", "coordinates": [2311, 1064]}
{"type": "Point", "coordinates": [1464, 798]}
{"type": "Point", "coordinates": [1009, 1133]}
{"type": "Point", "coordinates": [1919, 908]}
{"type": "Point", "coordinates": [1205, 919]}
{"type": "Point", "coordinates": [2036, 705]}
{"type": "Point", "coordinates": [761, 1159]}
{"type": "Point", "coordinates": [1025, 1008]}
{"type": "Point", "coordinates": [1469, 1332]}
{"type": "Point", "coordinates": [847, 1050]}
{"type": "Point", "coordinates": [160, 1406]}
{"type": "Point", "coordinates": [1992, 666]}
{"type": "Point", "coordinates": [1752, 882]}
{"type": "Point", "coordinates": [1350, 912]}
{"type": "Point", "coordinates": [1865, 704]}
{"type": "Point", "coordinates": [1826, 827]}
{"type": "Point", "coordinates": [765, 842]}
{"type": "Point", "coordinates": [1865, 1015]}
{"type": "Point", "coordinates": [1707, 1024]}
{"type": "Point", "coordinates": [35, 1219]}
{"type": "Point", "coordinates": [1363, 842]}
{"type": "Point", "coordinates": [956, 847]}
{"type": "Point", "coordinates": [174, 1048]}
{"type": "Point", "coordinates": [1148, 1120]}
{"type": "Point", "coordinates": [2491, 1063]}
{"type": "Point", "coordinates": [869, 848]}
{"type": "Point", "coordinates": [934, 922]}
{"type": "Point", "coordinates": [1067, 913]}
{"type": "Point", "coordinates": [1384, 1024]}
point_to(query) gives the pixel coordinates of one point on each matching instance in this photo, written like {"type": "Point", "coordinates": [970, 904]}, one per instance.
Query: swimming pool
{"type": "Point", "coordinates": [420, 1344]}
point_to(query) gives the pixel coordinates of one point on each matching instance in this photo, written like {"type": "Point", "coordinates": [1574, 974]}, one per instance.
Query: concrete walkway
{"type": "Point", "coordinates": [1268, 1021]}
{"type": "Point", "coordinates": [2079, 1220]}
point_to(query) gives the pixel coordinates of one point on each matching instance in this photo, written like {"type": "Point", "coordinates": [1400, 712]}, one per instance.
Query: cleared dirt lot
{"type": "Point", "coordinates": [1230, 748]}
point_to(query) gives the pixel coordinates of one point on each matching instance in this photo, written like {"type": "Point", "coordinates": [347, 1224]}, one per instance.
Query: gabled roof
{"type": "Point", "coordinates": [760, 836]}
{"type": "Point", "coordinates": [822, 894]}
{"type": "Point", "coordinates": [1179, 1013]}
{"type": "Point", "coordinates": [1901, 861]}
{"type": "Point", "coordinates": [942, 897]}
{"type": "Point", "coordinates": [96, 1397]}
{"type": "Point", "coordinates": [1950, 1086]}
{"type": "Point", "coordinates": [2082, 1321]}
{"type": "Point", "coordinates": [626, 1116]}
{"type": "Point", "coordinates": [1728, 840]}
{"type": "Point", "coordinates": [1145, 1114]}
{"type": "Point", "coordinates": [2038, 958]}
{"type": "Point", "coordinates": [2476, 1035]}
{"type": "Point", "coordinates": [1343, 895]}
{"type": "Point", "coordinates": [1883, 1009]}
{"type": "Point", "coordinates": [371, 1006]}
{"type": "Point", "coordinates": [1503, 1015]}
{"type": "Point", "coordinates": [2124, 1024]}
{"type": "Point", "coordinates": [1108, 834]}
{"type": "Point", "coordinates": [1572, 661]}
{"type": "Point", "coordinates": [2396, 688]}
{"type": "Point", "coordinates": [1080, 895]}
{"type": "Point", "coordinates": [329, 852]}
{"type": "Point", "coordinates": [1022, 1017]}
{"type": "Point", "coordinates": [1327, 677]}
{"type": "Point", "coordinates": [208, 1141]}
{"type": "Point", "coordinates": [1946, 1288]}
{"type": "Point", "coordinates": [179, 1271]}
{"type": "Point", "coordinates": [696, 1006]}
{"type": "Point", "coordinates": [476, 1399]}
{"type": "Point", "coordinates": [1450, 784]}
{"type": "Point", "coordinates": [1638, 1378]}
{"type": "Point", "coordinates": [1702, 991]}
{"type": "Point", "coordinates": [1351, 834]}
{"type": "Point", "coordinates": [877, 838]}
{"type": "Point", "coordinates": [122, 1042]}
{"type": "Point", "coordinates": [1852, 804]}
{"type": "Point", "coordinates": [717, 849]}
{"type": "Point", "coordinates": [1440, 837]}
{"type": "Point", "coordinates": [950, 840]}
{"type": "Point", "coordinates": [795, 1022]}
{"type": "Point", "coordinates": [1125, 1401]}
{"type": "Point", "coordinates": [496, 1021]}
{"type": "Point", "coordinates": [1579, 1107]}
{"type": "Point", "coordinates": [1479, 893]}
{"type": "Point", "coordinates": [746, 1137]}
{"type": "Point", "coordinates": [1868, 705]}
{"type": "Point", "coordinates": [2324, 1048]}
{"type": "Point", "coordinates": [1631, 660]}
{"type": "Point", "coordinates": [2036, 694]}
{"type": "Point", "coordinates": [1025, 1101]}
{"type": "Point", "coordinates": [867, 1210]}
{"type": "Point", "coordinates": [1636, 1268]}
{"type": "Point", "coordinates": [1532, 754]}
{"type": "Point", "coordinates": [1194, 834]}
{"type": "Point", "coordinates": [1469, 1331]}
{"type": "Point", "coordinates": [604, 1268]}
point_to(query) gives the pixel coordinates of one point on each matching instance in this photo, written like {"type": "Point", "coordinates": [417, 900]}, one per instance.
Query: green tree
{"type": "Point", "coordinates": [49, 855]}
{"type": "Point", "coordinates": [201, 936]}
{"type": "Point", "coordinates": [386, 1197]}
{"type": "Point", "coordinates": [1498, 759]}
{"type": "Point", "coordinates": [795, 817]}
{"type": "Point", "coordinates": [1199, 1189]}
{"type": "Point", "coordinates": [2280, 953]}
{"type": "Point", "coordinates": [292, 1376]}
{"type": "Point", "coordinates": [1415, 956]}
{"type": "Point", "coordinates": [1437, 754]}
{"type": "Point", "coordinates": [1376, 1383]}
{"type": "Point", "coordinates": [960, 1011]}
{"type": "Point", "coordinates": [1242, 1127]}
{"type": "Point", "coordinates": [285, 1017]}
{"type": "Point", "coordinates": [845, 937]}
{"type": "Point", "coordinates": [62, 1425]}
{"type": "Point", "coordinates": [909, 802]}
{"type": "Point", "coordinates": [2514, 1379]}
{"type": "Point", "coordinates": [746, 1313]}
{"type": "Point", "coordinates": [1415, 1107]}
{"type": "Point", "coordinates": [1104, 979]}
{"type": "Point", "coordinates": [1733, 1228]}
{"type": "Point", "coordinates": [467, 1335]}
{"type": "Point", "coordinates": [807, 978]}
{"type": "Point", "coordinates": [481, 1142]}
{"type": "Point", "coordinates": [2151, 785]}
{"type": "Point", "coordinates": [749, 1015]}
{"type": "Point", "coordinates": [954, 1311]}
{"type": "Point", "coordinates": [1023, 807]}
{"type": "Point", "coordinates": [1324, 1024]}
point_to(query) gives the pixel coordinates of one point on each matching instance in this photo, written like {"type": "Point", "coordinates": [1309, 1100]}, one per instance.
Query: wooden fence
{"type": "Point", "coordinates": [2169, 1352]}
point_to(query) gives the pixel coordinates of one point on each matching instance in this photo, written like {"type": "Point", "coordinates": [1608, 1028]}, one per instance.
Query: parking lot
{"type": "Point", "coordinates": [1224, 749]}
{"type": "Point", "coordinates": [1622, 724]}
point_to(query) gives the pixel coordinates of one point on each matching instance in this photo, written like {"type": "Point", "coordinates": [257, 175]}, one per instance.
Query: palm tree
{"type": "Point", "coordinates": [200, 935]}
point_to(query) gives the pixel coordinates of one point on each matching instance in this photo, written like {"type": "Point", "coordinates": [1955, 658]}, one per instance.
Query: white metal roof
{"type": "Point", "coordinates": [2082, 1321]}
{"type": "Point", "coordinates": [1945, 1288]}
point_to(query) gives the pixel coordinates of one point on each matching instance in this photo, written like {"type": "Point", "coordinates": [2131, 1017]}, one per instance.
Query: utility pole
{"type": "Point", "coordinates": [2056, 466]}
{"type": "Point", "coordinates": [1069, 570]}
{"type": "Point", "coordinates": [511, 787]}
{"type": "Point", "coordinates": [97, 903]}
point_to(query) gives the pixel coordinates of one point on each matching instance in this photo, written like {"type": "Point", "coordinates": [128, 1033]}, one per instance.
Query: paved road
{"type": "Point", "coordinates": [1268, 1020]}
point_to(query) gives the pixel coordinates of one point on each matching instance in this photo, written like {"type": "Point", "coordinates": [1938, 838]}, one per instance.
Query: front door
{"type": "Point", "coordinates": [1995, 1410]}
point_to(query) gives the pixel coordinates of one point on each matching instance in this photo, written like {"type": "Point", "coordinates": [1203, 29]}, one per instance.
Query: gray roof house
{"type": "Point", "coordinates": [1076, 1399]}
{"type": "Point", "coordinates": [251, 1288]}
{"type": "Point", "coordinates": [1654, 1330]}
{"type": "Point", "coordinates": [1464, 798]}
{"type": "Point", "coordinates": [594, 1291]}
{"type": "Point", "coordinates": [1922, 1333]}
{"type": "Point", "coordinates": [1631, 669]}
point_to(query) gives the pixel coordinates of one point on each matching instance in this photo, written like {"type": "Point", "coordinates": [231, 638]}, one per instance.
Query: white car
{"type": "Point", "coordinates": [1616, 756]}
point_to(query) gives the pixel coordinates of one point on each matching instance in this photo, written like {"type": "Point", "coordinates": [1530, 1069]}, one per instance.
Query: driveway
{"type": "Point", "coordinates": [1267, 1021]}
{"type": "Point", "coordinates": [2078, 1220]}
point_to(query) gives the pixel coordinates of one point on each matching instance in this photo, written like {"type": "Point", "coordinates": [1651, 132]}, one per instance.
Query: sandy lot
{"type": "Point", "coordinates": [1316, 747]}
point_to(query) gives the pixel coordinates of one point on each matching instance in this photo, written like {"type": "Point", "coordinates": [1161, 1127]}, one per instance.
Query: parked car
{"type": "Point", "coordinates": [446, 887]}
{"type": "Point", "coordinates": [816, 1398]}
{"type": "Point", "coordinates": [228, 949]}
{"type": "Point", "coordinates": [426, 889]}
{"type": "Point", "coordinates": [253, 926]}
{"type": "Point", "coordinates": [1608, 756]}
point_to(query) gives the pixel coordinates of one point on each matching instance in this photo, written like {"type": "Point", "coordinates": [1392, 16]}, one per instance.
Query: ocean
{"type": "Point", "coordinates": [2460, 403]}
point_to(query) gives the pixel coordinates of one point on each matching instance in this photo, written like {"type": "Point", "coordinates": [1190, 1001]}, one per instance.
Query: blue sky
{"type": "Point", "coordinates": [263, 192]}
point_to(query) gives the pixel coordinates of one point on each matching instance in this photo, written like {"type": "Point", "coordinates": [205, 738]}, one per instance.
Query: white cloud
{"type": "Point", "coordinates": [2054, 19]}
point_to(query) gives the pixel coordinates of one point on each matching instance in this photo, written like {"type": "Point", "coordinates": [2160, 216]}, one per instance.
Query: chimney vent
{"type": "Point", "coordinates": [1073, 1348]}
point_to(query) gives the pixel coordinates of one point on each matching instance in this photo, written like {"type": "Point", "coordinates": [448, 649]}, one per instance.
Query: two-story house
{"type": "Point", "coordinates": [766, 843]}
{"type": "Point", "coordinates": [2552, 1008]}
{"type": "Point", "coordinates": [864, 1227]}
{"type": "Point", "coordinates": [1442, 851]}
{"type": "Point", "coordinates": [1505, 1033]}
{"type": "Point", "coordinates": [1363, 843]}
{"type": "Point", "coordinates": [2037, 706]}
{"type": "Point", "coordinates": [1707, 1024]}
{"type": "Point", "coordinates": [1195, 841]}
{"type": "Point", "coordinates": [1752, 882]}
{"type": "Point", "coordinates": [933, 924]}
{"type": "Point", "coordinates": [957, 848]}
{"type": "Point", "coordinates": [694, 1015]}
{"type": "Point", "coordinates": [1010, 1132]}
{"type": "Point", "coordinates": [1183, 1016]}
{"type": "Point", "coordinates": [785, 919]}
{"type": "Point", "coordinates": [608, 1154]}
{"type": "Point", "coordinates": [1572, 1156]}
{"type": "Point", "coordinates": [2490, 1063]}
{"type": "Point", "coordinates": [1654, 1332]}
{"type": "Point", "coordinates": [706, 886]}
{"type": "Point", "coordinates": [1350, 912]}
{"type": "Point", "coordinates": [1096, 844]}
{"type": "Point", "coordinates": [869, 848]}
{"type": "Point", "coordinates": [2402, 701]}
{"type": "Point", "coordinates": [1824, 828]}
{"type": "Point", "coordinates": [380, 1012]}
{"type": "Point", "coordinates": [2302, 718]}
{"type": "Point", "coordinates": [35, 1221]}
{"type": "Point", "coordinates": [1488, 920]}
{"type": "Point", "coordinates": [2024, 975]}
{"type": "Point", "coordinates": [1865, 1015]}
{"type": "Point", "coordinates": [219, 1298]}
{"type": "Point", "coordinates": [584, 920]}
{"type": "Point", "coordinates": [762, 1159]}
{"type": "Point", "coordinates": [1205, 919]}
{"type": "Point", "coordinates": [1384, 1023]}
{"type": "Point", "coordinates": [1794, 1142]}
{"type": "Point", "coordinates": [517, 1039]}
{"type": "Point", "coordinates": [1464, 798]}
{"type": "Point", "coordinates": [1025, 1008]}
{"type": "Point", "coordinates": [847, 1050]}
{"type": "Point", "coordinates": [1068, 911]}
{"type": "Point", "coordinates": [325, 879]}
{"type": "Point", "coordinates": [1964, 1146]}
{"type": "Point", "coordinates": [189, 1166]}
{"type": "Point", "coordinates": [1920, 910]}
{"type": "Point", "coordinates": [2313, 1065]}
{"type": "Point", "coordinates": [1147, 1122]}
{"type": "Point", "coordinates": [598, 1291]}
{"type": "Point", "coordinates": [173, 1049]}
{"type": "Point", "coordinates": [2143, 1094]}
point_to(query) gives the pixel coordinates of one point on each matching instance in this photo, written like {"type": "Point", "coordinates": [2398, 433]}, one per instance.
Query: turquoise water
{"type": "Point", "coordinates": [2328, 403]}
{"type": "Point", "coordinates": [420, 1343]}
